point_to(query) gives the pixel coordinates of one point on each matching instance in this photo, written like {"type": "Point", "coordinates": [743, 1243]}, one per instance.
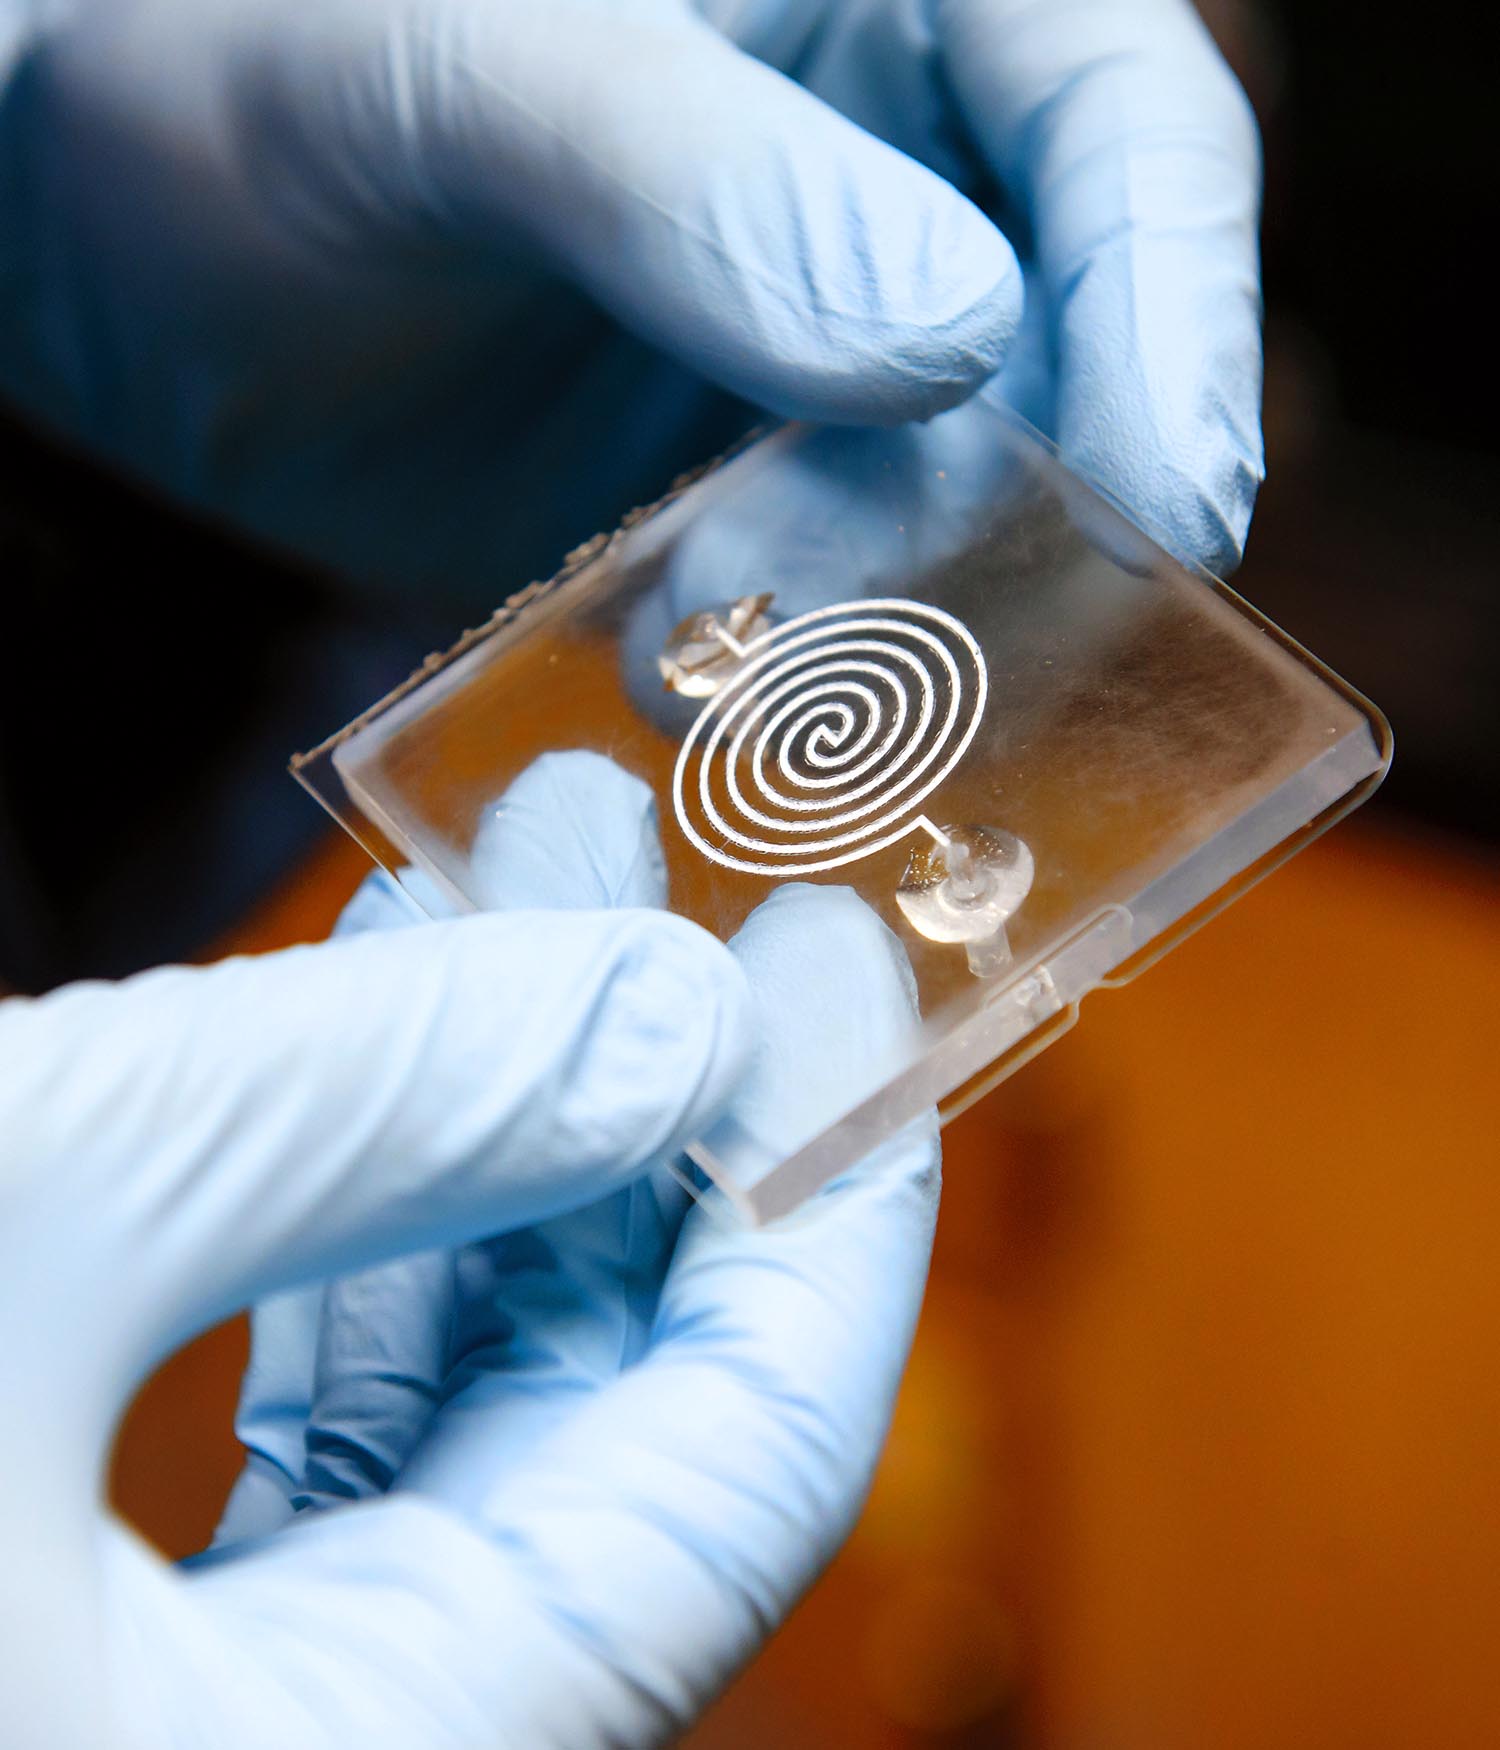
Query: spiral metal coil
{"type": "Point", "coordinates": [821, 747]}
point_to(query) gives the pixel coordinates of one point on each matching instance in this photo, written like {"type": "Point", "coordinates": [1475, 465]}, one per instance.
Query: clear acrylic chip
{"type": "Point", "coordinates": [930, 664]}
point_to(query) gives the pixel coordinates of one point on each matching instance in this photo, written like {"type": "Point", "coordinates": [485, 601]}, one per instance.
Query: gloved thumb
{"type": "Point", "coordinates": [711, 205]}
{"type": "Point", "coordinates": [187, 1141]}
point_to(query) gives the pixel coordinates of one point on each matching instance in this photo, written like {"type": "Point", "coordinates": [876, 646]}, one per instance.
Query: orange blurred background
{"type": "Point", "coordinates": [1200, 1442]}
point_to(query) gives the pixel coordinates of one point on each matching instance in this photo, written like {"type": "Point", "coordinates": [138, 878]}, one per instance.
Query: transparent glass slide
{"type": "Point", "coordinates": [931, 665]}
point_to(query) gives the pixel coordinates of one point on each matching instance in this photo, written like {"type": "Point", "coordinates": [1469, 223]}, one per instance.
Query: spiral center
{"type": "Point", "coordinates": [824, 743]}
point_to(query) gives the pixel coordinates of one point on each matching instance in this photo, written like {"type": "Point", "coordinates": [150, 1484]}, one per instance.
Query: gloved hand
{"type": "Point", "coordinates": [431, 289]}
{"type": "Point", "coordinates": [553, 1486]}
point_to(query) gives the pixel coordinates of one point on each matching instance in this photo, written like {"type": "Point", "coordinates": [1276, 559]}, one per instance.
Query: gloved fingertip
{"type": "Point", "coordinates": [921, 314]}
{"type": "Point", "coordinates": [899, 1181]}
{"type": "Point", "coordinates": [1218, 541]}
{"type": "Point", "coordinates": [834, 1006]}
{"type": "Point", "coordinates": [574, 832]}
{"type": "Point", "coordinates": [831, 924]}
{"type": "Point", "coordinates": [1204, 517]}
{"type": "Point", "coordinates": [680, 1006]}
{"type": "Point", "coordinates": [1187, 468]}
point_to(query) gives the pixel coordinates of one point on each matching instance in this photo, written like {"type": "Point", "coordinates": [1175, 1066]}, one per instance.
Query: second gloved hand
{"type": "Point", "coordinates": [549, 1486]}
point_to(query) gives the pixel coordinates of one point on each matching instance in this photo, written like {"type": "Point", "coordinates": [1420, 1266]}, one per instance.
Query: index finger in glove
{"type": "Point", "coordinates": [234, 1131]}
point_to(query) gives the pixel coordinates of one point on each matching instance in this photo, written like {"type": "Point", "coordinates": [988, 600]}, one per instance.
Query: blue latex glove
{"type": "Point", "coordinates": [554, 1486]}
{"type": "Point", "coordinates": [430, 289]}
